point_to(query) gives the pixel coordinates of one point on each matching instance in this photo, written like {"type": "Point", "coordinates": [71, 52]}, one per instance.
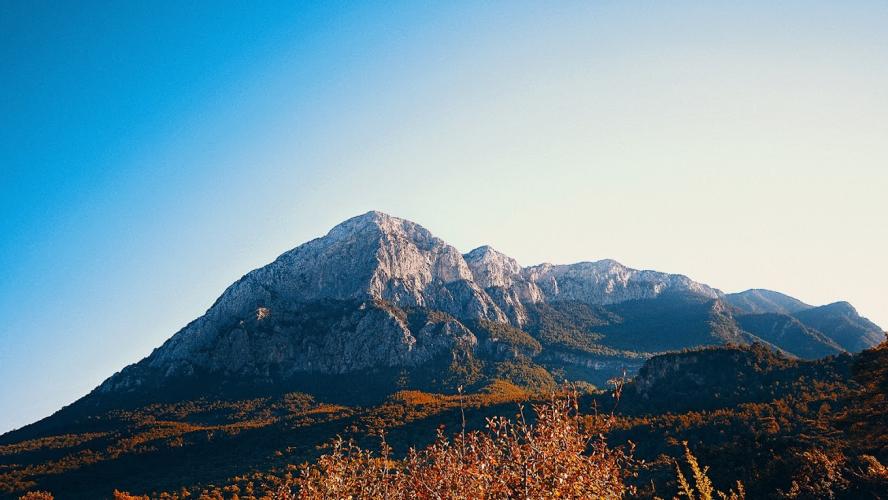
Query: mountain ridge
{"type": "Point", "coordinates": [342, 303]}
{"type": "Point", "coordinates": [382, 265]}
{"type": "Point", "coordinates": [761, 300]}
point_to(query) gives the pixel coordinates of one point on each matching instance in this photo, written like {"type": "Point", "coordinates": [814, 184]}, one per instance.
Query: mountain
{"type": "Point", "coordinates": [378, 324]}
{"type": "Point", "coordinates": [382, 293]}
{"type": "Point", "coordinates": [841, 323]}
{"type": "Point", "coordinates": [334, 305]}
{"type": "Point", "coordinates": [383, 297]}
{"type": "Point", "coordinates": [789, 333]}
{"type": "Point", "coordinates": [757, 301]}
{"type": "Point", "coordinates": [810, 331]}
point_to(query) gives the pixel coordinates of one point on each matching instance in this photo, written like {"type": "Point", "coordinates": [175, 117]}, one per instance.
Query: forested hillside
{"type": "Point", "coordinates": [782, 427]}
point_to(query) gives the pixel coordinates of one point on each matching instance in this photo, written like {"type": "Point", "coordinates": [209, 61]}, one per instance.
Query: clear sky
{"type": "Point", "coordinates": [151, 153]}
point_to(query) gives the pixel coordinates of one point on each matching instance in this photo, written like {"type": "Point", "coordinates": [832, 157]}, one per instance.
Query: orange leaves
{"type": "Point", "coordinates": [558, 456]}
{"type": "Point", "coordinates": [37, 495]}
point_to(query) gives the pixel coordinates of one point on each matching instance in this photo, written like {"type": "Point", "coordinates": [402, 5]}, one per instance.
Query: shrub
{"type": "Point", "coordinates": [702, 488]}
{"type": "Point", "coordinates": [122, 495]}
{"type": "Point", "coordinates": [37, 495]}
{"type": "Point", "coordinates": [560, 455]}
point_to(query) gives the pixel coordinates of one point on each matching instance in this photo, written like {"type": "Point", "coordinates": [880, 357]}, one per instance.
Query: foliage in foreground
{"type": "Point", "coordinates": [562, 455]}
{"type": "Point", "coordinates": [822, 435]}
{"type": "Point", "coordinates": [702, 488]}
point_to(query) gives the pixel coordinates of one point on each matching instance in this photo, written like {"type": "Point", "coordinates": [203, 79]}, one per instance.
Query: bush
{"type": "Point", "coordinates": [37, 495]}
{"type": "Point", "coordinates": [560, 455]}
{"type": "Point", "coordinates": [702, 488]}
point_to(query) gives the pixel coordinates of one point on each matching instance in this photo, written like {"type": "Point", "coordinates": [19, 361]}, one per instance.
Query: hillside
{"type": "Point", "coordinates": [841, 323]}
{"type": "Point", "coordinates": [758, 301]}
{"type": "Point", "coordinates": [775, 423]}
{"type": "Point", "coordinates": [789, 333]}
{"type": "Point", "coordinates": [786, 428]}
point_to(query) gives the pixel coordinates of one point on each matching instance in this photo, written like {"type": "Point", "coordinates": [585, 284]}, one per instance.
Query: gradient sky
{"type": "Point", "coordinates": [151, 153]}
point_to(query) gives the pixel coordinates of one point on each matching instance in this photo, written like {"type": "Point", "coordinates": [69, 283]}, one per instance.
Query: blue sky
{"type": "Point", "coordinates": [152, 153]}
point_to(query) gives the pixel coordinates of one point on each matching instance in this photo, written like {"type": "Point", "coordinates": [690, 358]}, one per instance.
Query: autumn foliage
{"type": "Point", "coordinates": [561, 455]}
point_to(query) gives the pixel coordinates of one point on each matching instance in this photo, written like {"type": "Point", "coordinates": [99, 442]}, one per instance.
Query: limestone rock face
{"type": "Point", "coordinates": [608, 282]}
{"type": "Point", "coordinates": [372, 256]}
{"type": "Point", "coordinates": [502, 279]}
{"type": "Point", "coordinates": [325, 337]}
{"type": "Point", "coordinates": [602, 282]}
{"type": "Point", "coordinates": [369, 256]}
{"type": "Point", "coordinates": [491, 268]}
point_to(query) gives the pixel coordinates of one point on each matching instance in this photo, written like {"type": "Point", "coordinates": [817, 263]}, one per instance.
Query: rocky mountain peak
{"type": "Point", "coordinates": [373, 255]}
{"type": "Point", "coordinates": [375, 224]}
{"type": "Point", "coordinates": [492, 268]}
{"type": "Point", "coordinates": [609, 264]}
{"type": "Point", "coordinates": [401, 251]}
{"type": "Point", "coordinates": [608, 282]}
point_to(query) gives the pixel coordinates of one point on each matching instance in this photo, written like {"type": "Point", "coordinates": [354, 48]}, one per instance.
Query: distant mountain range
{"type": "Point", "coordinates": [380, 305]}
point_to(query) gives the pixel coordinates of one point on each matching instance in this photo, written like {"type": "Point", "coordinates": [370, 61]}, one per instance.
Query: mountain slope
{"type": "Point", "coordinates": [789, 334]}
{"type": "Point", "coordinates": [786, 428]}
{"type": "Point", "coordinates": [840, 322]}
{"type": "Point", "coordinates": [758, 300]}
{"type": "Point", "coordinates": [723, 377]}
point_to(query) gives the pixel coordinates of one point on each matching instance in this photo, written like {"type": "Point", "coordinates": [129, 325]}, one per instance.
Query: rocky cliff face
{"type": "Point", "coordinates": [608, 282]}
{"type": "Point", "coordinates": [601, 283]}
{"type": "Point", "coordinates": [332, 305]}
